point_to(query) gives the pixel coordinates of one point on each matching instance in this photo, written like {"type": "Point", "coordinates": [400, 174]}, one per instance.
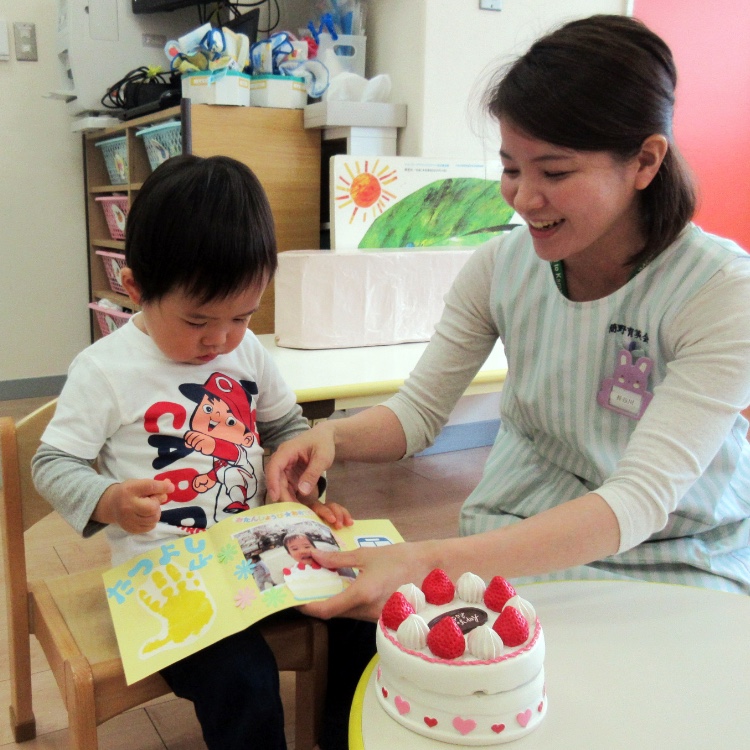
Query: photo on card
{"type": "Point", "coordinates": [280, 554]}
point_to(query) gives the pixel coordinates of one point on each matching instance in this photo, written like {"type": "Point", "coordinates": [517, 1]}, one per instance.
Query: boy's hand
{"type": "Point", "coordinates": [134, 505]}
{"type": "Point", "coordinates": [333, 513]}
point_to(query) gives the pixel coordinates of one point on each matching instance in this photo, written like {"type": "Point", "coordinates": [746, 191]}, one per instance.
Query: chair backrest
{"type": "Point", "coordinates": [19, 444]}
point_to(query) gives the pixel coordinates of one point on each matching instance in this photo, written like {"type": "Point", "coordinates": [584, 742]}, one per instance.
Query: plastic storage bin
{"type": "Point", "coordinates": [282, 92]}
{"type": "Point", "coordinates": [115, 152]}
{"type": "Point", "coordinates": [109, 320]}
{"type": "Point", "coordinates": [162, 141]}
{"type": "Point", "coordinates": [113, 262]}
{"type": "Point", "coordinates": [346, 54]}
{"type": "Point", "coordinates": [116, 212]}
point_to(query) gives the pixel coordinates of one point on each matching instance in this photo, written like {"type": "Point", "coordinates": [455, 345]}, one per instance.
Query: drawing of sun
{"type": "Point", "coordinates": [365, 189]}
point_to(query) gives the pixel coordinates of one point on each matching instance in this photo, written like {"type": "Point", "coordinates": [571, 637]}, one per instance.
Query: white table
{"type": "Point", "coordinates": [636, 666]}
{"type": "Point", "coordinates": [325, 380]}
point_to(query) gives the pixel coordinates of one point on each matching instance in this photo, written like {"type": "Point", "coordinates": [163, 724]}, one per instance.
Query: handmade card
{"type": "Point", "coordinates": [189, 593]}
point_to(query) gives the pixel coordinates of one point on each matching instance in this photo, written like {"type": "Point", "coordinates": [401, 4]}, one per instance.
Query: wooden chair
{"type": "Point", "coordinates": [70, 618]}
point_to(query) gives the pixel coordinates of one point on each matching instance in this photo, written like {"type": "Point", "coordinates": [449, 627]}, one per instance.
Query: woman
{"type": "Point", "coordinates": [622, 450]}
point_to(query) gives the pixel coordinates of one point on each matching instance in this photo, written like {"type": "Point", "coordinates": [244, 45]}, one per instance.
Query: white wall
{"type": "Point", "coordinates": [439, 52]}
{"type": "Point", "coordinates": [434, 50]}
{"type": "Point", "coordinates": [43, 269]}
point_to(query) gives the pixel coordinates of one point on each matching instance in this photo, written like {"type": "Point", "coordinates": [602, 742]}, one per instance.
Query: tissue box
{"type": "Point", "coordinates": [327, 300]}
{"type": "Point", "coordinates": [212, 87]}
{"type": "Point", "coordinates": [282, 92]}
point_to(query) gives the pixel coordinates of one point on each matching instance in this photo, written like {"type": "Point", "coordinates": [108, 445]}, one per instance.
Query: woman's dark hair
{"type": "Point", "coordinates": [202, 225]}
{"type": "Point", "coordinates": [604, 83]}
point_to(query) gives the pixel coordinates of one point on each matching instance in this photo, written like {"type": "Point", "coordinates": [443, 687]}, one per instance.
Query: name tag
{"type": "Point", "coordinates": [625, 400]}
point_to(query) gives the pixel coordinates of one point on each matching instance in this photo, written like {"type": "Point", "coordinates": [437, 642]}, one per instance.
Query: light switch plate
{"type": "Point", "coordinates": [24, 35]}
{"type": "Point", "coordinates": [491, 4]}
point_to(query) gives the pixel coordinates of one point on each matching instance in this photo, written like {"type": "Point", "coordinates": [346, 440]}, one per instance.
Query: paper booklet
{"type": "Point", "coordinates": [191, 592]}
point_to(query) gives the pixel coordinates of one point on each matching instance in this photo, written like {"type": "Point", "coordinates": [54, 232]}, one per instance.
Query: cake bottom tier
{"type": "Point", "coordinates": [477, 719]}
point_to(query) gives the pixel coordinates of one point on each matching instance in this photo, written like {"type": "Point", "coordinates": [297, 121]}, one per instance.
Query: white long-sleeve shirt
{"type": "Point", "coordinates": [678, 477]}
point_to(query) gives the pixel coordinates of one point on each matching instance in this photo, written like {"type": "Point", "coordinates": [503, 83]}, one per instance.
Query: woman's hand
{"type": "Point", "coordinates": [294, 468]}
{"type": "Point", "coordinates": [381, 571]}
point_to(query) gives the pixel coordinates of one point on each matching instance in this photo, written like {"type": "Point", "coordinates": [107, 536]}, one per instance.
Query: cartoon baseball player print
{"type": "Point", "coordinates": [223, 426]}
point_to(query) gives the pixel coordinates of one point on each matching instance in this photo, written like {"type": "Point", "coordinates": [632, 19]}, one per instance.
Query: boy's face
{"type": "Point", "coordinates": [192, 333]}
{"type": "Point", "coordinates": [301, 549]}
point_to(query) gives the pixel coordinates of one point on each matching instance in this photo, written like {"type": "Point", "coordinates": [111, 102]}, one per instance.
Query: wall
{"type": "Point", "coordinates": [43, 276]}
{"type": "Point", "coordinates": [712, 114]}
{"type": "Point", "coordinates": [439, 54]}
{"type": "Point", "coordinates": [434, 51]}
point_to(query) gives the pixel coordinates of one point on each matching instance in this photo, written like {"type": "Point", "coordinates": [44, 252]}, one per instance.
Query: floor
{"type": "Point", "coordinates": [421, 496]}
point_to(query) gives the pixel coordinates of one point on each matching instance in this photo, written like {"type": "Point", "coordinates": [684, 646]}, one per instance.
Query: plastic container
{"type": "Point", "coordinates": [109, 320]}
{"type": "Point", "coordinates": [115, 152]}
{"type": "Point", "coordinates": [162, 142]}
{"type": "Point", "coordinates": [116, 212]}
{"type": "Point", "coordinates": [217, 87]}
{"type": "Point", "coordinates": [113, 262]}
{"type": "Point", "coordinates": [282, 92]}
{"type": "Point", "coordinates": [346, 54]}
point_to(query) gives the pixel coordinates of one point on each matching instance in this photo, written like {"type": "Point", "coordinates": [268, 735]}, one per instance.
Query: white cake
{"type": "Point", "coordinates": [461, 682]}
{"type": "Point", "coordinates": [307, 582]}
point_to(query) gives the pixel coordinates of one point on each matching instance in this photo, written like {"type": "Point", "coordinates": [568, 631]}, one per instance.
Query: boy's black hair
{"type": "Point", "coordinates": [201, 225]}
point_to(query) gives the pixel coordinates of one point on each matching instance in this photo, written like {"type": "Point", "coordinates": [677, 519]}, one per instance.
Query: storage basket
{"type": "Point", "coordinates": [109, 320]}
{"type": "Point", "coordinates": [116, 212]}
{"type": "Point", "coordinates": [113, 262]}
{"type": "Point", "coordinates": [115, 152]}
{"type": "Point", "coordinates": [162, 141]}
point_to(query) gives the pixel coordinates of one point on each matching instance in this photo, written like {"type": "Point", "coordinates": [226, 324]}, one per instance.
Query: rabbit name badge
{"type": "Point", "coordinates": [626, 392]}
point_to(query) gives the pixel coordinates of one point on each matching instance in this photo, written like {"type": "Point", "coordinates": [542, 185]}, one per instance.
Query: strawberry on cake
{"type": "Point", "coordinates": [461, 663]}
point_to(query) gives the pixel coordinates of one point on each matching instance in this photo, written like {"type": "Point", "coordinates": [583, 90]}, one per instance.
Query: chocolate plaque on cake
{"type": "Point", "coordinates": [467, 618]}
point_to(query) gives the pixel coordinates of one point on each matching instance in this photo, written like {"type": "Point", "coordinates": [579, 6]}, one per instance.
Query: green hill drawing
{"type": "Point", "coordinates": [457, 211]}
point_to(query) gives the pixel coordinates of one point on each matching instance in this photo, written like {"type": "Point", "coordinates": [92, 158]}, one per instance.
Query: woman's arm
{"type": "Point", "coordinates": [464, 337]}
{"type": "Point", "coordinates": [373, 435]}
{"type": "Point", "coordinates": [574, 533]}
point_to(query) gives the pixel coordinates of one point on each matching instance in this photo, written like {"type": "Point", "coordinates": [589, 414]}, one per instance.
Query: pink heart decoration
{"type": "Point", "coordinates": [540, 707]}
{"type": "Point", "coordinates": [385, 692]}
{"type": "Point", "coordinates": [524, 718]}
{"type": "Point", "coordinates": [430, 721]}
{"type": "Point", "coordinates": [497, 728]}
{"type": "Point", "coordinates": [464, 726]}
{"type": "Point", "coordinates": [402, 706]}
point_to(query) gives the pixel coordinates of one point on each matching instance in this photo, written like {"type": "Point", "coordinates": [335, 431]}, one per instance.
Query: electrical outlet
{"type": "Point", "coordinates": [25, 38]}
{"type": "Point", "coordinates": [491, 4]}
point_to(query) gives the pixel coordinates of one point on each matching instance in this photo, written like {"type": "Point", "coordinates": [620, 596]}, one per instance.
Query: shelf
{"type": "Point", "coordinates": [111, 188]}
{"type": "Point", "coordinates": [119, 299]}
{"type": "Point", "coordinates": [109, 244]}
{"type": "Point", "coordinates": [272, 142]}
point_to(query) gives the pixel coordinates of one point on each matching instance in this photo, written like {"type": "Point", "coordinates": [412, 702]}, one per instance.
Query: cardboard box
{"type": "Point", "coordinates": [281, 92]}
{"type": "Point", "coordinates": [327, 300]}
{"type": "Point", "coordinates": [217, 87]}
{"type": "Point", "coordinates": [327, 114]}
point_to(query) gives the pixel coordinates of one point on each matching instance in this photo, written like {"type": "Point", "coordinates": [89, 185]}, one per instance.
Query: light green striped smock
{"type": "Point", "coordinates": [678, 479]}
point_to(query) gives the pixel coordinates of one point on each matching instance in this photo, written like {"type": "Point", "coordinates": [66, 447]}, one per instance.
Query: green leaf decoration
{"type": "Point", "coordinates": [456, 211]}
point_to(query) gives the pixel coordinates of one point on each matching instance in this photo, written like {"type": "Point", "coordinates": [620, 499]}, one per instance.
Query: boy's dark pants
{"type": "Point", "coordinates": [234, 685]}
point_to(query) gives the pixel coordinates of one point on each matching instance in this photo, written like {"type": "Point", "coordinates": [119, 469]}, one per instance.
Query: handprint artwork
{"type": "Point", "coordinates": [179, 598]}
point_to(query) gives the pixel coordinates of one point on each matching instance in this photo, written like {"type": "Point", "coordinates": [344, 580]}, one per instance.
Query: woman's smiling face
{"type": "Point", "coordinates": [575, 202]}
